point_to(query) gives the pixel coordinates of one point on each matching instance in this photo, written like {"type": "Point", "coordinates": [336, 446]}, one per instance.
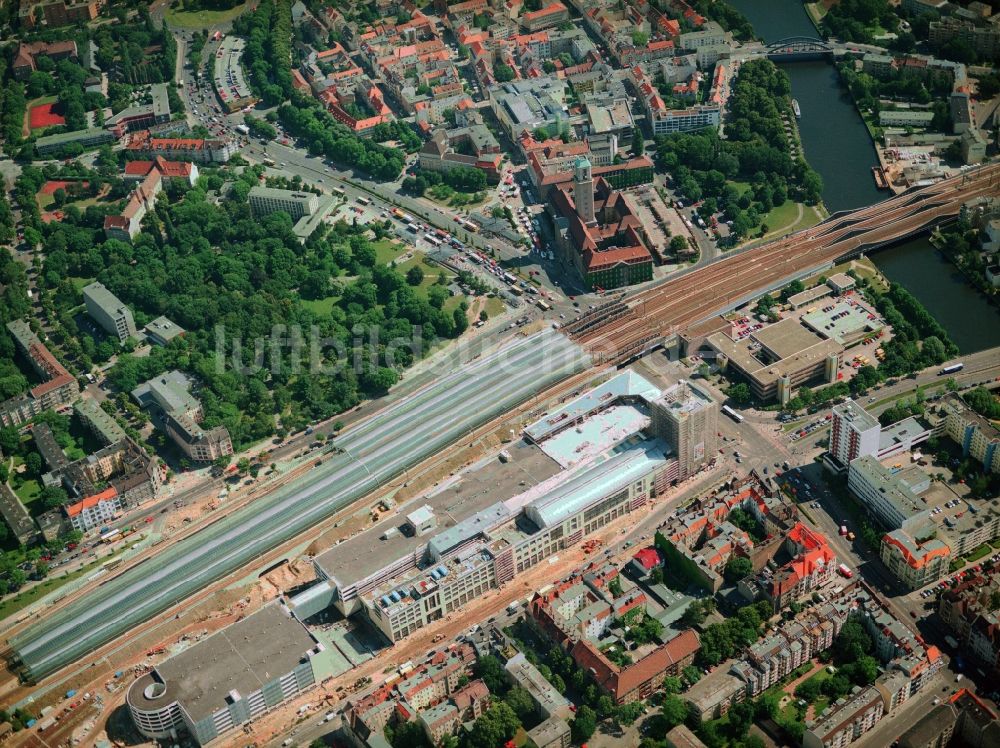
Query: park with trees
{"type": "Point", "coordinates": [751, 171]}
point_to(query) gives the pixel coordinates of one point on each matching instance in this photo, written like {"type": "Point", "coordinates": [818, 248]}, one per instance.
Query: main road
{"type": "Point", "coordinates": [367, 456]}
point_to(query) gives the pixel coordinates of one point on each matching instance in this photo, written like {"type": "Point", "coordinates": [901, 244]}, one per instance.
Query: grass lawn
{"type": "Point", "coordinates": [201, 19]}
{"type": "Point", "coordinates": [494, 306]}
{"type": "Point", "coordinates": [79, 283]}
{"type": "Point", "coordinates": [321, 306]}
{"type": "Point", "coordinates": [386, 251]}
{"type": "Point", "coordinates": [28, 492]}
{"type": "Point", "coordinates": [983, 550]}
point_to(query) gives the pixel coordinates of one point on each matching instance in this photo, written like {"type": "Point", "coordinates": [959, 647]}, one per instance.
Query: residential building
{"type": "Point", "coordinates": [109, 312]}
{"type": "Point", "coordinates": [551, 733]}
{"type": "Point", "coordinates": [58, 389]}
{"type": "Point", "coordinates": [794, 643]}
{"type": "Point", "coordinates": [182, 171]}
{"type": "Point", "coordinates": [853, 433]}
{"type": "Point", "coordinates": [976, 435]}
{"type": "Point", "coordinates": [548, 701]}
{"type": "Point", "coordinates": [15, 514]}
{"type": "Point", "coordinates": [471, 147]}
{"type": "Point", "coordinates": [984, 39]}
{"type": "Point", "coordinates": [143, 145]}
{"type": "Point", "coordinates": [967, 609]}
{"type": "Point", "coordinates": [916, 561]}
{"type": "Point", "coordinates": [230, 678]}
{"type": "Point", "coordinates": [711, 697]}
{"type": "Point", "coordinates": [100, 423]}
{"type": "Point", "coordinates": [71, 14]}
{"type": "Point", "coordinates": [116, 478]}
{"type": "Point", "coordinates": [846, 720]}
{"type": "Point", "coordinates": [179, 413]}
{"type": "Point", "coordinates": [811, 565]}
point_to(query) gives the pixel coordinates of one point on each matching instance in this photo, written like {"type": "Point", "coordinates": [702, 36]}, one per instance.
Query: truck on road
{"type": "Point", "coordinates": [845, 572]}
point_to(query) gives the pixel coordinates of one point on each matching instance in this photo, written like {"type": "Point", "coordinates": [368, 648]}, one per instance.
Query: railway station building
{"type": "Point", "coordinates": [597, 458]}
{"type": "Point", "coordinates": [230, 678]}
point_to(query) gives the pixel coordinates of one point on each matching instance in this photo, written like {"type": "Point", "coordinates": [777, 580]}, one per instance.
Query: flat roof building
{"type": "Point", "coordinates": [228, 679]}
{"type": "Point", "coordinates": [109, 312]}
{"type": "Point", "coordinates": [891, 496]}
{"type": "Point", "coordinates": [686, 417]}
{"type": "Point", "coordinates": [161, 331]}
{"type": "Point", "coordinates": [778, 358]}
{"type": "Point", "coordinates": [853, 433]}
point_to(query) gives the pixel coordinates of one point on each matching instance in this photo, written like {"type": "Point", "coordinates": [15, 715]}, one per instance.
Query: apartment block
{"type": "Point", "coordinates": [853, 432]}
{"type": "Point", "coordinates": [848, 719]}
{"type": "Point", "coordinates": [58, 389]}
{"type": "Point", "coordinates": [109, 312]}
{"type": "Point", "coordinates": [976, 435]}
{"type": "Point", "coordinates": [915, 560]}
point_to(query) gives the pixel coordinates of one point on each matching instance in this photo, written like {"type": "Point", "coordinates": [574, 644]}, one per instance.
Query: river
{"type": "Point", "coordinates": [836, 143]}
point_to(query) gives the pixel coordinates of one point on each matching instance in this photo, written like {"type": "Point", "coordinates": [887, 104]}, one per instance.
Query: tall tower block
{"type": "Point", "coordinates": [583, 191]}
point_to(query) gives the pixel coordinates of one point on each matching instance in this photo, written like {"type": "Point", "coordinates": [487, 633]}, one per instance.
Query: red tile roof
{"type": "Point", "coordinates": [91, 501]}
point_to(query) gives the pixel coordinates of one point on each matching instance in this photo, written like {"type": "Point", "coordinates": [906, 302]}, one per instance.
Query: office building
{"type": "Point", "coordinates": [54, 144]}
{"type": "Point", "coordinates": [179, 413]}
{"type": "Point", "coordinates": [686, 417]}
{"type": "Point", "coordinates": [142, 116]}
{"type": "Point", "coordinates": [109, 312]}
{"type": "Point", "coordinates": [598, 232]}
{"type": "Point", "coordinates": [228, 679]}
{"type": "Point", "coordinates": [267, 200]}
{"type": "Point", "coordinates": [890, 494]}
{"type": "Point", "coordinates": [529, 105]}
{"type": "Point", "coordinates": [853, 433]}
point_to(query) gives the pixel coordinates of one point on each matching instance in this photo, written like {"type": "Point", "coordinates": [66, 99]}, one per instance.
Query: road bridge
{"type": "Point", "coordinates": [800, 48]}
{"type": "Point", "coordinates": [722, 285]}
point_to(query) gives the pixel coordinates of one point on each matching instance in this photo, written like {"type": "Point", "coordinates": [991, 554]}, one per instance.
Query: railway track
{"type": "Point", "coordinates": [614, 335]}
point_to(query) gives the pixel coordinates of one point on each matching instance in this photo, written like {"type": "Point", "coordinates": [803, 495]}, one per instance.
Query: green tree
{"type": "Point", "coordinates": [521, 702]}
{"type": "Point", "coordinates": [740, 393]}
{"type": "Point", "coordinates": [489, 669]}
{"type": "Point", "coordinates": [503, 73]}
{"type": "Point", "coordinates": [678, 244]}
{"type": "Point", "coordinates": [673, 711]}
{"type": "Point", "coordinates": [672, 684]}
{"type": "Point", "coordinates": [738, 567]}
{"type": "Point", "coordinates": [691, 674]}
{"type": "Point", "coordinates": [582, 726]}
{"type": "Point", "coordinates": [494, 727]}
{"type": "Point", "coordinates": [415, 275]}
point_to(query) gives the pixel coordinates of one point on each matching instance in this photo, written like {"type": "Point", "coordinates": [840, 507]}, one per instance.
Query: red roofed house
{"type": "Point", "coordinates": [597, 232]}
{"type": "Point", "coordinates": [638, 680]}
{"type": "Point", "coordinates": [812, 564]}
{"type": "Point", "coordinates": [139, 170]}
{"type": "Point", "coordinates": [24, 61]}
{"type": "Point", "coordinates": [551, 15]}
{"type": "Point", "coordinates": [95, 510]}
{"type": "Point", "coordinates": [344, 103]}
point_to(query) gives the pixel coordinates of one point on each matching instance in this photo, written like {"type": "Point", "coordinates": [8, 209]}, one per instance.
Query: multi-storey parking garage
{"type": "Point", "coordinates": [394, 440]}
